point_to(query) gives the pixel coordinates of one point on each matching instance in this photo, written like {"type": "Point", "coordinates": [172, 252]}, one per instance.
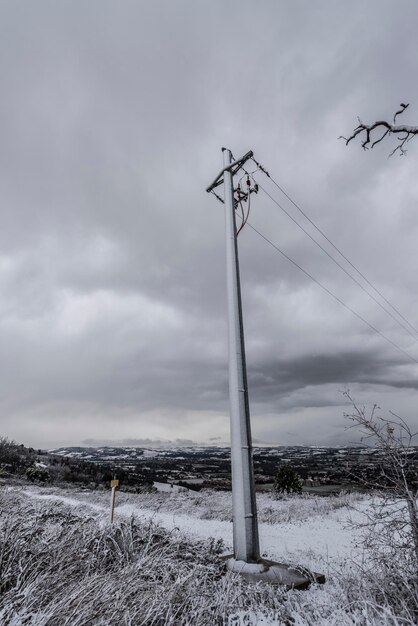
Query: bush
{"type": "Point", "coordinates": [37, 474]}
{"type": "Point", "coordinates": [287, 480]}
{"type": "Point", "coordinates": [390, 532]}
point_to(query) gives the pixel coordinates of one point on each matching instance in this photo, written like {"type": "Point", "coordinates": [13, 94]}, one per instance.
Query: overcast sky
{"type": "Point", "coordinates": [112, 263]}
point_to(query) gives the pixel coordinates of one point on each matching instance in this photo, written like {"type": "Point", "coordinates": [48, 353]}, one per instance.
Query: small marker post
{"type": "Point", "coordinates": [113, 484]}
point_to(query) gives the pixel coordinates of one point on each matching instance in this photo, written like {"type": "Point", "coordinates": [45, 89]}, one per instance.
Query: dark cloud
{"type": "Point", "coordinates": [273, 379]}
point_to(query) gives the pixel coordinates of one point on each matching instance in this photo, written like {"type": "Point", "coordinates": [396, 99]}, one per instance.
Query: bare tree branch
{"type": "Point", "coordinates": [398, 478]}
{"type": "Point", "coordinates": [367, 131]}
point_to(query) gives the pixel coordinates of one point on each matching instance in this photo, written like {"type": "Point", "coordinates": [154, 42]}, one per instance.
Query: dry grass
{"type": "Point", "coordinates": [60, 567]}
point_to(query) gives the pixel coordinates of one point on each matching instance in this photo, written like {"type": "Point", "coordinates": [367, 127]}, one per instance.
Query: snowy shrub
{"type": "Point", "coordinates": [37, 474]}
{"type": "Point", "coordinates": [390, 532]}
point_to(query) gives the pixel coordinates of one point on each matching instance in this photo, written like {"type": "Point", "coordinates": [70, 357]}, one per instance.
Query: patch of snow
{"type": "Point", "coordinates": [168, 487]}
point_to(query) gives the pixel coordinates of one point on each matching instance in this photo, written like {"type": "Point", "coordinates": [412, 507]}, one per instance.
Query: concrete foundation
{"type": "Point", "coordinates": [274, 573]}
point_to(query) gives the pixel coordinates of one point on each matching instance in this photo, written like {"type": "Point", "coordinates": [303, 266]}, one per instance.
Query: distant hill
{"type": "Point", "coordinates": [204, 466]}
{"type": "Point", "coordinates": [137, 468]}
{"type": "Point", "coordinates": [19, 462]}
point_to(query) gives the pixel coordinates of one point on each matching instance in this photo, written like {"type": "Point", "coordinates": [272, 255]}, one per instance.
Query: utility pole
{"type": "Point", "coordinates": [246, 560]}
{"type": "Point", "coordinates": [244, 508]}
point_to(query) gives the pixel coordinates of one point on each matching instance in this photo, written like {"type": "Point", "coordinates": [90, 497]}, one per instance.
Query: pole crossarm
{"type": "Point", "coordinates": [232, 167]}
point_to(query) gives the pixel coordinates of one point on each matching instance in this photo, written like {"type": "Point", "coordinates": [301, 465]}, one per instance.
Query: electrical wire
{"type": "Point", "coordinates": [330, 293]}
{"type": "Point", "coordinates": [245, 219]}
{"type": "Point", "coordinates": [242, 217]}
{"type": "Point", "coordinates": [334, 260]}
{"type": "Point", "coordinates": [260, 168]}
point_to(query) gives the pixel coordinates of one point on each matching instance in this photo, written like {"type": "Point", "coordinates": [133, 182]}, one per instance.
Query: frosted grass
{"type": "Point", "coordinates": [61, 564]}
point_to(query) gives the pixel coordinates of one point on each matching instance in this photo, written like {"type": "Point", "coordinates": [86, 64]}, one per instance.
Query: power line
{"type": "Point", "coordinates": [330, 293]}
{"type": "Point", "coordinates": [334, 260]}
{"type": "Point", "coordinates": [316, 281]}
{"type": "Point", "coordinates": [262, 169]}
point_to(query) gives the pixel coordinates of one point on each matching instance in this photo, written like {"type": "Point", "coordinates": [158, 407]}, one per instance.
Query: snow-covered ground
{"type": "Point", "coordinates": [160, 563]}
{"type": "Point", "coordinates": [317, 541]}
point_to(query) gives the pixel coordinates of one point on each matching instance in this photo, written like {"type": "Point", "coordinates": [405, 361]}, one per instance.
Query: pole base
{"type": "Point", "coordinates": [273, 573]}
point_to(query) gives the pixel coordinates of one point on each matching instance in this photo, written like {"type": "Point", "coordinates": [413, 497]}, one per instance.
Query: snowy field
{"type": "Point", "coordinates": [318, 533]}
{"type": "Point", "coordinates": [161, 562]}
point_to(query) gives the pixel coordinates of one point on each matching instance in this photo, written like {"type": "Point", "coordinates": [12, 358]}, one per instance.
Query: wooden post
{"type": "Point", "coordinates": [114, 484]}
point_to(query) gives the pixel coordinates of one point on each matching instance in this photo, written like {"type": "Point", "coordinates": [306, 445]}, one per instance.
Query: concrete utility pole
{"type": "Point", "coordinates": [246, 559]}
{"type": "Point", "coordinates": [246, 544]}
{"type": "Point", "coordinates": [244, 508]}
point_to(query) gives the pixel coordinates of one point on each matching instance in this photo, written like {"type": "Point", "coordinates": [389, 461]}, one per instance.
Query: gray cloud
{"type": "Point", "coordinates": [112, 316]}
{"type": "Point", "coordinates": [316, 370]}
{"type": "Point", "coordinates": [147, 443]}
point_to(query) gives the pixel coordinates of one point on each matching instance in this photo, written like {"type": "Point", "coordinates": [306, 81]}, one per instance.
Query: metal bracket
{"type": "Point", "coordinates": [232, 167]}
